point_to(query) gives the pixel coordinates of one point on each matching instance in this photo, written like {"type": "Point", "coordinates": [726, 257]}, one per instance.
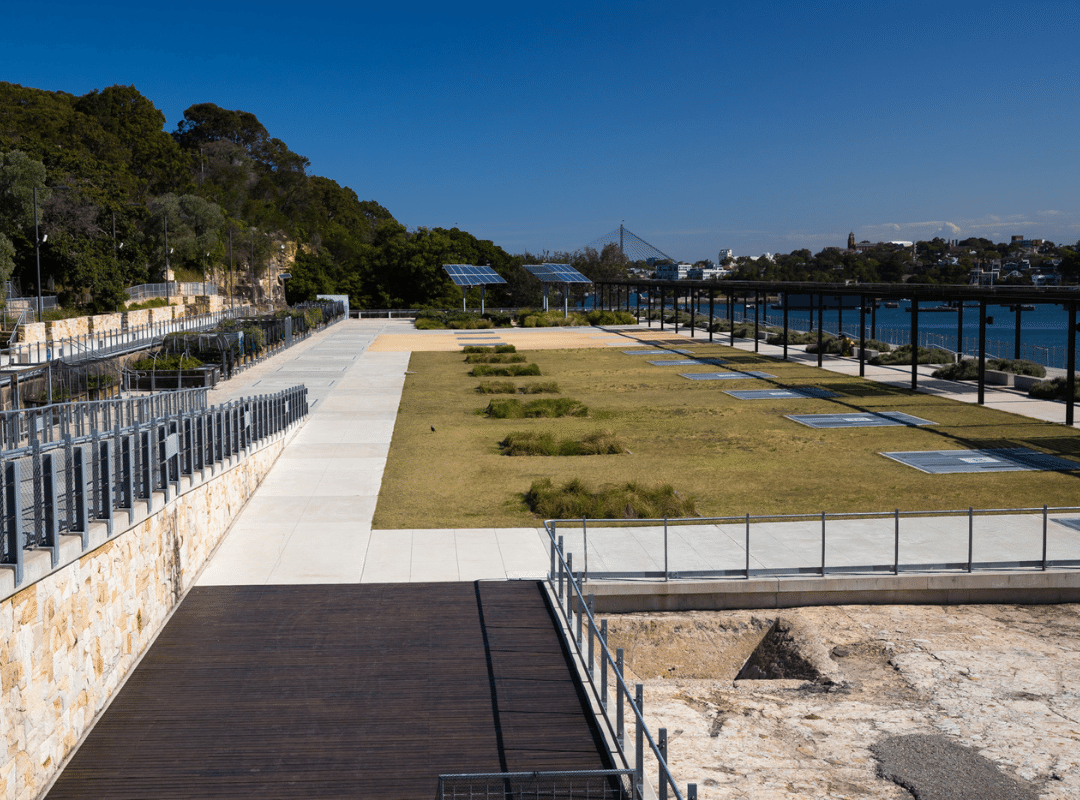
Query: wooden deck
{"type": "Point", "coordinates": [362, 691]}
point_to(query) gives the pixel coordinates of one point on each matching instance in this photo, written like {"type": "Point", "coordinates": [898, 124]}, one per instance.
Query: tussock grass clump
{"type": "Point", "coordinates": [631, 500]}
{"type": "Point", "coordinates": [497, 387]}
{"type": "Point", "coordinates": [544, 407]}
{"type": "Point", "coordinates": [512, 371]}
{"type": "Point", "coordinates": [494, 358]}
{"type": "Point", "coordinates": [529, 443]}
{"type": "Point", "coordinates": [479, 348]}
{"type": "Point", "coordinates": [902, 355]}
{"type": "Point", "coordinates": [168, 361]}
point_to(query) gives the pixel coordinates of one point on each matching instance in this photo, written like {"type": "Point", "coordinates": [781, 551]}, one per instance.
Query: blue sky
{"type": "Point", "coordinates": [763, 127]}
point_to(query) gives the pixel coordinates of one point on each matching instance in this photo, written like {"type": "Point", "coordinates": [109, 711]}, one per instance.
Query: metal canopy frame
{"type": "Point", "coordinates": [468, 275]}
{"type": "Point", "coordinates": [1067, 297]}
{"type": "Point", "coordinates": [548, 274]}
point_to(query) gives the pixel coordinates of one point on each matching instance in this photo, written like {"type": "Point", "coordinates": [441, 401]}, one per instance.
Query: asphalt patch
{"type": "Point", "coordinates": [934, 767]}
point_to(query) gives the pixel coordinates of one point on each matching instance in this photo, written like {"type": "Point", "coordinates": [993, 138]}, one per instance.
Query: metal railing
{"type": "Point", "coordinates": [1029, 545]}
{"type": "Point", "coordinates": [607, 784]}
{"type": "Point", "coordinates": [147, 291]}
{"type": "Point", "coordinates": [588, 640]}
{"type": "Point", "coordinates": [50, 423]}
{"type": "Point", "coordinates": [97, 345]}
{"type": "Point", "coordinates": [56, 488]}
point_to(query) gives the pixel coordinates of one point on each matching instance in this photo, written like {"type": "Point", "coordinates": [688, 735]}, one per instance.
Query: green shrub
{"type": "Point", "coordinates": [968, 369]}
{"type": "Point", "coordinates": [529, 443]}
{"type": "Point", "coordinates": [497, 387]}
{"type": "Point", "coordinates": [494, 358]}
{"type": "Point", "coordinates": [500, 319]}
{"type": "Point", "coordinates": [902, 355]}
{"type": "Point", "coordinates": [169, 361]}
{"type": "Point", "coordinates": [425, 324]}
{"type": "Point", "coordinates": [601, 317]}
{"type": "Point", "coordinates": [877, 344]}
{"type": "Point", "coordinates": [1054, 389]}
{"type": "Point", "coordinates": [512, 371]}
{"type": "Point", "coordinates": [544, 407]}
{"type": "Point", "coordinates": [573, 500]}
{"type": "Point", "coordinates": [432, 319]}
{"type": "Point", "coordinates": [965, 370]}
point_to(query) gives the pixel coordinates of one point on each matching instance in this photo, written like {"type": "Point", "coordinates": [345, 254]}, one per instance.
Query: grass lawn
{"type": "Point", "coordinates": [732, 456]}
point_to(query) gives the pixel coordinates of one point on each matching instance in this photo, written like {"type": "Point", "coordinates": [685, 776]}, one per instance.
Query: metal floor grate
{"type": "Point", "coordinates": [859, 420]}
{"type": "Point", "coordinates": [1017, 459]}
{"type": "Point", "coordinates": [723, 376]}
{"type": "Point", "coordinates": [781, 394]}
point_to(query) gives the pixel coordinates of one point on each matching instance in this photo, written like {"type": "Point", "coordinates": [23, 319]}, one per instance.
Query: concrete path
{"type": "Point", "coordinates": [310, 521]}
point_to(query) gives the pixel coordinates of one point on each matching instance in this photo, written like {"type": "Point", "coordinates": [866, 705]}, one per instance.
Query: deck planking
{"type": "Point", "coordinates": [340, 690]}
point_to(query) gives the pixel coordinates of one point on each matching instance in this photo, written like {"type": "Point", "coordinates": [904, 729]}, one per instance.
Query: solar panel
{"type": "Point", "coordinates": [556, 273]}
{"type": "Point", "coordinates": [471, 275]}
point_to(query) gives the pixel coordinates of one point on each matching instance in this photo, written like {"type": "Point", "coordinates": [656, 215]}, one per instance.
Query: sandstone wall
{"type": "Point", "coordinates": [104, 323]}
{"type": "Point", "coordinates": [137, 318]}
{"type": "Point", "coordinates": [68, 640]}
{"type": "Point", "coordinates": [68, 328]}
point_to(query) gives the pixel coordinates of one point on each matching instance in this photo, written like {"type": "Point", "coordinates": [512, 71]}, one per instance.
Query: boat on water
{"type": "Point", "coordinates": [953, 309]}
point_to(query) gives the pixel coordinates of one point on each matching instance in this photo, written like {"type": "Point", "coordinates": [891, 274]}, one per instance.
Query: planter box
{"type": "Point", "coordinates": [1025, 382]}
{"type": "Point", "coordinates": [163, 380]}
{"type": "Point", "coordinates": [996, 377]}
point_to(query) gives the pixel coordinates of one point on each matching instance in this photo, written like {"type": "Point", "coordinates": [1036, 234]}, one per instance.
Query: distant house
{"type": "Point", "coordinates": [669, 271]}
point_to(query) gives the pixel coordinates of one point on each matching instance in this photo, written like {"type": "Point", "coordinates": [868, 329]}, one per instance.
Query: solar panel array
{"type": "Point", "coordinates": [556, 273]}
{"type": "Point", "coordinates": [471, 275]}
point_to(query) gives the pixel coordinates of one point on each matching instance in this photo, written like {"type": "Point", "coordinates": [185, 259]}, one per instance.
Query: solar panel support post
{"type": "Point", "coordinates": [463, 290]}
{"type": "Point", "coordinates": [483, 295]}
{"type": "Point", "coordinates": [1070, 367]}
{"type": "Point", "coordinates": [820, 328]}
{"type": "Point", "coordinates": [982, 352]}
{"type": "Point", "coordinates": [566, 300]}
{"type": "Point", "coordinates": [862, 335]}
{"type": "Point", "coordinates": [914, 343]}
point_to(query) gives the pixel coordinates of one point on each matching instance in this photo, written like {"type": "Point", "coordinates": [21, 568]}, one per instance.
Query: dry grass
{"type": "Point", "coordinates": [732, 456]}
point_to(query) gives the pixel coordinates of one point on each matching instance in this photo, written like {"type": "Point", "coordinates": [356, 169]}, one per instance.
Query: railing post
{"type": "Point", "coordinates": [148, 468]}
{"type": "Point", "coordinates": [570, 589]}
{"type": "Point", "coordinates": [585, 548]}
{"type": "Point", "coordinates": [748, 545]}
{"type": "Point", "coordinates": [592, 667]}
{"type": "Point", "coordinates": [562, 569]}
{"type": "Point", "coordinates": [691, 791]}
{"type": "Point", "coordinates": [665, 548]}
{"type": "Point", "coordinates": [661, 746]}
{"type": "Point", "coordinates": [105, 475]}
{"type": "Point", "coordinates": [1044, 538]}
{"type": "Point", "coordinates": [639, 742]}
{"type": "Point", "coordinates": [603, 664]}
{"type": "Point", "coordinates": [82, 507]}
{"type": "Point", "coordinates": [971, 536]}
{"type": "Point", "coordinates": [551, 536]}
{"type": "Point", "coordinates": [823, 544]}
{"type": "Point", "coordinates": [51, 516]}
{"type": "Point", "coordinates": [580, 605]}
{"type": "Point", "coordinates": [620, 712]}
{"type": "Point", "coordinates": [896, 542]}
{"type": "Point", "coordinates": [13, 527]}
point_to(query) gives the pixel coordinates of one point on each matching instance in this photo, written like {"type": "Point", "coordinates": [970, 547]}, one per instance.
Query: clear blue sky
{"type": "Point", "coordinates": [763, 127]}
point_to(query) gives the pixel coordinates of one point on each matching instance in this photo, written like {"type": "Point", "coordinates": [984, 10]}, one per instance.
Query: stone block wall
{"type": "Point", "coordinates": [104, 323]}
{"type": "Point", "coordinates": [68, 641]}
{"type": "Point", "coordinates": [137, 318]}
{"type": "Point", "coordinates": [164, 313]}
{"type": "Point", "coordinates": [68, 328]}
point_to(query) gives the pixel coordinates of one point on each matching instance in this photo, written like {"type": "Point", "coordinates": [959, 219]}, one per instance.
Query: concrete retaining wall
{"type": "Point", "coordinates": [950, 589]}
{"type": "Point", "coordinates": [68, 640]}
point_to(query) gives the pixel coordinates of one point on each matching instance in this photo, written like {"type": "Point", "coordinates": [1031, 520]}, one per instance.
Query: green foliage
{"type": "Point", "coordinates": [902, 355]}
{"type": "Point", "coordinates": [1054, 389]}
{"type": "Point", "coordinates": [153, 302]}
{"type": "Point", "coordinates": [166, 361]}
{"type": "Point", "coordinates": [457, 320]}
{"type": "Point", "coordinates": [544, 407]}
{"type": "Point", "coordinates": [254, 338]}
{"type": "Point", "coordinates": [495, 358]}
{"type": "Point", "coordinates": [631, 500]}
{"type": "Point", "coordinates": [545, 387]}
{"type": "Point", "coordinates": [529, 443]}
{"type": "Point", "coordinates": [601, 317]}
{"type": "Point", "coordinates": [512, 371]}
{"type": "Point", "coordinates": [499, 348]}
{"type": "Point", "coordinates": [968, 369]}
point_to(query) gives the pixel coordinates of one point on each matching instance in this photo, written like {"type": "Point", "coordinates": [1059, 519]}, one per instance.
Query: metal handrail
{"type": "Point", "coordinates": [563, 566]}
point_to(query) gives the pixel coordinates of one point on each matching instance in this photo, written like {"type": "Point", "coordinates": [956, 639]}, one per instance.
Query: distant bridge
{"type": "Point", "coordinates": [630, 244]}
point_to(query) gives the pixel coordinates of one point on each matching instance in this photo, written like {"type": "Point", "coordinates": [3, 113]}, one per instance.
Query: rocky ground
{"type": "Point", "coordinates": [953, 702]}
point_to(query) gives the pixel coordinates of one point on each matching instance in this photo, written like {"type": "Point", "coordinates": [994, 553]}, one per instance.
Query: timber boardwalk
{"type": "Point", "coordinates": [360, 691]}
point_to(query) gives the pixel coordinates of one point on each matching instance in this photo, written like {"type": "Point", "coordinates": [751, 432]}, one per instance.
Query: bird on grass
{"type": "Point", "coordinates": [433, 429]}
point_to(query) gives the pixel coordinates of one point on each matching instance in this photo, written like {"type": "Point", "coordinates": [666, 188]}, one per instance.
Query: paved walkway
{"type": "Point", "coordinates": [310, 521]}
